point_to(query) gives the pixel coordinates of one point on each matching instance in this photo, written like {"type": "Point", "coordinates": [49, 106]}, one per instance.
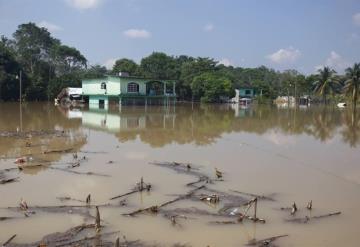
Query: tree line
{"type": "Point", "coordinates": [47, 66]}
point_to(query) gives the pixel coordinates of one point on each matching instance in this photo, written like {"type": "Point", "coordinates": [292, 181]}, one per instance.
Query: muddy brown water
{"type": "Point", "coordinates": [298, 154]}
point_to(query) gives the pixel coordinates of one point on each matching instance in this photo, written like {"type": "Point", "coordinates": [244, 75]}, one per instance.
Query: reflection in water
{"type": "Point", "coordinates": [37, 117]}
{"type": "Point", "coordinates": [314, 159]}
{"type": "Point", "coordinates": [204, 124]}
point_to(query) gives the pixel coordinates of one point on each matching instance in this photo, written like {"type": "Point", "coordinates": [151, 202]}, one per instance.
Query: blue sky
{"type": "Point", "coordinates": [281, 34]}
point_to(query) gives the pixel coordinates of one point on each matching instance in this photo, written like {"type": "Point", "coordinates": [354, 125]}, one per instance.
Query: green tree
{"type": "Point", "coordinates": [125, 65]}
{"type": "Point", "coordinates": [158, 65]}
{"type": "Point", "coordinates": [352, 82]}
{"type": "Point", "coordinates": [210, 87]}
{"type": "Point", "coordinates": [9, 70]}
{"type": "Point", "coordinates": [189, 70]}
{"type": "Point", "coordinates": [95, 71]}
{"type": "Point", "coordinates": [66, 59]}
{"type": "Point", "coordinates": [33, 45]}
{"type": "Point", "coordinates": [326, 82]}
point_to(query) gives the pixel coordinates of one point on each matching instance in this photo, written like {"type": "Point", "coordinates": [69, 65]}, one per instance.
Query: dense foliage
{"type": "Point", "coordinates": [47, 66]}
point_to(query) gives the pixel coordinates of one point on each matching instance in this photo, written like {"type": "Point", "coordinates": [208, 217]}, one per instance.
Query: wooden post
{"type": "Point", "coordinates": [255, 207]}
{"type": "Point", "coordinates": [141, 184]}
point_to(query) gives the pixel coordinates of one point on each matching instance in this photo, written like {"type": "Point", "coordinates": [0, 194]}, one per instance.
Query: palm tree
{"type": "Point", "coordinates": [352, 82]}
{"type": "Point", "coordinates": [326, 82]}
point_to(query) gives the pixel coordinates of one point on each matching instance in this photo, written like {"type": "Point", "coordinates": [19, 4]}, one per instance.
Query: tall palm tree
{"type": "Point", "coordinates": [352, 82]}
{"type": "Point", "coordinates": [326, 83]}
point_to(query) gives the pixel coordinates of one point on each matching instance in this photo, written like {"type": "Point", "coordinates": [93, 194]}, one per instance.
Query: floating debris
{"type": "Point", "coordinates": [97, 220]}
{"type": "Point", "coordinates": [9, 180]}
{"type": "Point", "coordinates": [306, 219]}
{"type": "Point", "coordinates": [259, 197]}
{"type": "Point", "coordinates": [265, 242]}
{"type": "Point", "coordinates": [88, 199]}
{"type": "Point", "coordinates": [218, 173]}
{"type": "Point", "coordinates": [141, 186]}
{"type": "Point", "coordinates": [293, 209]}
{"type": "Point", "coordinates": [9, 240]}
{"type": "Point", "coordinates": [67, 150]}
{"type": "Point", "coordinates": [309, 205]}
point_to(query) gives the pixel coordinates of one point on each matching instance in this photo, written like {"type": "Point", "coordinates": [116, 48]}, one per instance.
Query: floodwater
{"type": "Point", "coordinates": [292, 155]}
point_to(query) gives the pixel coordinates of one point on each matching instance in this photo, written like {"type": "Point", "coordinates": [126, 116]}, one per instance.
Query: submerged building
{"type": "Point", "coordinates": [128, 90]}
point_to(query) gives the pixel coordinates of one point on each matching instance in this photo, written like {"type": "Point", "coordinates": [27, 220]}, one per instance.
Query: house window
{"type": "Point", "coordinates": [133, 87]}
{"type": "Point", "coordinates": [103, 85]}
{"type": "Point", "coordinates": [247, 91]}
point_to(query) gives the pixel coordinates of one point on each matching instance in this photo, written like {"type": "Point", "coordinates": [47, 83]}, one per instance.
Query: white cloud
{"type": "Point", "coordinates": [336, 62]}
{"type": "Point", "coordinates": [109, 64]}
{"type": "Point", "coordinates": [209, 27]}
{"type": "Point", "coordinates": [84, 4]}
{"type": "Point", "coordinates": [226, 62]}
{"type": "Point", "coordinates": [137, 34]}
{"type": "Point", "coordinates": [285, 55]}
{"type": "Point", "coordinates": [49, 26]}
{"type": "Point", "coordinates": [356, 19]}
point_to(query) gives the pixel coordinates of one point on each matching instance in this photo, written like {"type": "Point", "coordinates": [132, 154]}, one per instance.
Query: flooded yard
{"type": "Point", "coordinates": [277, 155]}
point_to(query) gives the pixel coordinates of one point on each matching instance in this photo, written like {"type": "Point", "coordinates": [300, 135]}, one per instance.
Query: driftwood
{"type": "Point", "coordinates": [83, 210]}
{"type": "Point", "coordinates": [264, 242]}
{"type": "Point", "coordinates": [192, 211]}
{"type": "Point", "coordinates": [306, 219]}
{"type": "Point", "coordinates": [73, 237]}
{"type": "Point", "coordinates": [138, 188]}
{"type": "Point", "coordinates": [9, 240]}
{"type": "Point", "coordinates": [260, 197]}
{"type": "Point", "coordinates": [9, 180]}
{"type": "Point", "coordinates": [183, 168]}
{"type": "Point", "coordinates": [3, 218]}
{"type": "Point", "coordinates": [67, 150]}
{"type": "Point", "coordinates": [155, 208]}
{"type": "Point", "coordinates": [79, 173]}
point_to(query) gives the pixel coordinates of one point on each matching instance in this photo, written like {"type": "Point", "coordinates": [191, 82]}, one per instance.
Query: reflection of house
{"type": "Point", "coordinates": [128, 90]}
{"type": "Point", "coordinates": [130, 121]}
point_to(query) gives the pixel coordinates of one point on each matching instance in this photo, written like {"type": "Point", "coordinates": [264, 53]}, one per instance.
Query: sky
{"type": "Point", "coordinates": [281, 34]}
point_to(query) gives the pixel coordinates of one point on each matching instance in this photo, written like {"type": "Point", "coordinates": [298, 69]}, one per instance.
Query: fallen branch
{"type": "Point", "coordinates": [155, 208]}
{"type": "Point", "coordinates": [79, 173]}
{"type": "Point", "coordinates": [306, 219]}
{"type": "Point", "coordinates": [139, 188]}
{"type": "Point", "coordinates": [9, 240]}
{"type": "Point", "coordinates": [264, 242]}
{"type": "Point", "coordinates": [184, 168]}
{"type": "Point", "coordinates": [9, 180]}
{"type": "Point", "coordinates": [260, 197]}
{"type": "Point", "coordinates": [67, 150]}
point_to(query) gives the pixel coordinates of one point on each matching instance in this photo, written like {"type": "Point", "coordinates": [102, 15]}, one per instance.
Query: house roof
{"type": "Point", "coordinates": [140, 77]}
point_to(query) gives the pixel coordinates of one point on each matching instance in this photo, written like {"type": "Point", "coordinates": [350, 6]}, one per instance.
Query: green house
{"type": "Point", "coordinates": [246, 92]}
{"type": "Point", "coordinates": [125, 90]}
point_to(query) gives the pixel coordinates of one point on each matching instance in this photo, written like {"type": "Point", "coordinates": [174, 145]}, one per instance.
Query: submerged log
{"type": "Point", "coordinates": [79, 173]}
{"type": "Point", "coordinates": [306, 219]}
{"type": "Point", "coordinates": [260, 197]}
{"type": "Point", "coordinates": [265, 242]}
{"type": "Point", "coordinates": [9, 180]}
{"type": "Point", "coordinates": [155, 208]}
{"type": "Point", "coordinates": [138, 188]}
{"type": "Point", "coordinates": [67, 150]}
{"type": "Point", "coordinates": [183, 168]}
{"type": "Point", "coordinates": [9, 240]}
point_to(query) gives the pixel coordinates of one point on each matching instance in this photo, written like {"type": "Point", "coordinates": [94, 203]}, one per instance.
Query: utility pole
{"type": "Point", "coordinates": [20, 92]}
{"type": "Point", "coordinates": [295, 94]}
